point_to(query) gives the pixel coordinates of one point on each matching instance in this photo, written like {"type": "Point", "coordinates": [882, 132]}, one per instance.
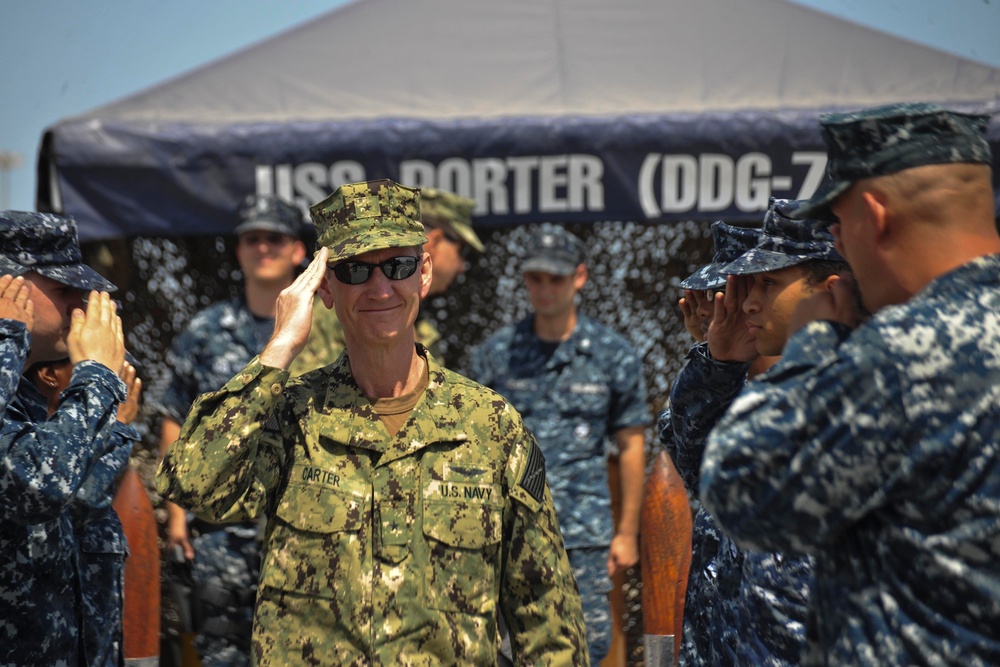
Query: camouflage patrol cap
{"type": "Point", "coordinates": [888, 139]}
{"type": "Point", "coordinates": [785, 242]}
{"type": "Point", "coordinates": [555, 251]}
{"type": "Point", "coordinates": [730, 243]}
{"type": "Point", "coordinates": [448, 211]}
{"type": "Point", "coordinates": [49, 245]}
{"type": "Point", "coordinates": [371, 215]}
{"type": "Point", "coordinates": [270, 214]}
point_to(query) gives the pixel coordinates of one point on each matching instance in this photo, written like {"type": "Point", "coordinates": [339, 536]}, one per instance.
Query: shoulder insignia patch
{"type": "Point", "coordinates": [533, 477]}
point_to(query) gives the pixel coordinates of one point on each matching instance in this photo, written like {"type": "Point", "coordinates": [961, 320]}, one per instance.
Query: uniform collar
{"type": "Point", "coordinates": [361, 427]}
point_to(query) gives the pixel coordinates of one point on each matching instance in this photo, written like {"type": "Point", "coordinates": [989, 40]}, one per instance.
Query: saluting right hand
{"type": "Point", "coordinates": [14, 301]}
{"type": "Point", "coordinates": [729, 337]}
{"type": "Point", "coordinates": [97, 335]}
{"type": "Point", "coordinates": [129, 410]}
{"type": "Point", "coordinates": [293, 315]}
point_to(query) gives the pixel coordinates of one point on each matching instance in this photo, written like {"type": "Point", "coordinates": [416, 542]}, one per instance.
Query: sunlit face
{"type": "Point", "coordinates": [770, 303]}
{"type": "Point", "coordinates": [446, 253]}
{"type": "Point", "coordinates": [553, 295]}
{"type": "Point", "coordinates": [380, 311]}
{"type": "Point", "coordinates": [53, 312]}
{"type": "Point", "coordinates": [269, 257]}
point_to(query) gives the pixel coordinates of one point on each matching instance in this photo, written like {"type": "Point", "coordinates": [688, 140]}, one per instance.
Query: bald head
{"type": "Point", "coordinates": [958, 197]}
{"type": "Point", "coordinates": [903, 230]}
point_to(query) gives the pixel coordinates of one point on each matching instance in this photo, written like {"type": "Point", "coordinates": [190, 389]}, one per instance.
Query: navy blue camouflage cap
{"type": "Point", "coordinates": [49, 245]}
{"type": "Point", "coordinates": [785, 242]}
{"type": "Point", "coordinates": [888, 139]}
{"type": "Point", "coordinates": [555, 251]}
{"type": "Point", "coordinates": [451, 212]}
{"type": "Point", "coordinates": [269, 213]}
{"type": "Point", "coordinates": [730, 243]}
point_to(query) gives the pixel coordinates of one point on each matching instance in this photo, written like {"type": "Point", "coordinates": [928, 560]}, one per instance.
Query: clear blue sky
{"type": "Point", "coordinates": [59, 58]}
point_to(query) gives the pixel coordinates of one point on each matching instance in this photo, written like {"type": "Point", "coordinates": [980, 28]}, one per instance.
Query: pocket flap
{"type": "Point", "coordinates": [463, 525]}
{"type": "Point", "coordinates": [320, 509]}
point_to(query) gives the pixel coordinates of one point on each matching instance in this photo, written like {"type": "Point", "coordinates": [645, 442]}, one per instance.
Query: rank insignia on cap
{"type": "Point", "coordinates": [367, 207]}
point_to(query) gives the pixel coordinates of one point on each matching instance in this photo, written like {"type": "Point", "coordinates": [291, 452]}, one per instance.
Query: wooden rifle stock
{"type": "Point", "coordinates": [141, 615]}
{"type": "Point", "coordinates": [665, 557]}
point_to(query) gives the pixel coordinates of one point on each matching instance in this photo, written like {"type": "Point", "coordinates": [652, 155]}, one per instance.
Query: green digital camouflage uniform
{"type": "Point", "coordinates": [382, 549]}
{"type": "Point", "coordinates": [388, 550]}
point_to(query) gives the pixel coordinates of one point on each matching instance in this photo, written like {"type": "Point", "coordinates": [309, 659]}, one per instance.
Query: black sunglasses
{"type": "Point", "coordinates": [355, 272]}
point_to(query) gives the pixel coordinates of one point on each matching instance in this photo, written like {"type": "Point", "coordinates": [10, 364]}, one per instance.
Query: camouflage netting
{"type": "Point", "coordinates": [634, 272]}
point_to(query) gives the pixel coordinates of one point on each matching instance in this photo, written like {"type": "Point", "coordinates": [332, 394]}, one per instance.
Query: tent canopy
{"type": "Point", "coordinates": [565, 110]}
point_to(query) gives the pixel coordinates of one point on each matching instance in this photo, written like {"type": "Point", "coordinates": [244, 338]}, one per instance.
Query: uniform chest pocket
{"type": "Point", "coordinates": [582, 397]}
{"type": "Point", "coordinates": [315, 542]}
{"type": "Point", "coordinates": [464, 560]}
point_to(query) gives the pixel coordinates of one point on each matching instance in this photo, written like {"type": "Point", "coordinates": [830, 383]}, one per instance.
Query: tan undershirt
{"type": "Point", "coordinates": [396, 410]}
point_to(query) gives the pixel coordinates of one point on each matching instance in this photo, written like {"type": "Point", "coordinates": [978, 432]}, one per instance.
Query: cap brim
{"type": "Point", "coordinates": [265, 226]}
{"type": "Point", "coordinates": [372, 242]}
{"type": "Point", "coordinates": [818, 206]}
{"type": "Point", "coordinates": [759, 261]}
{"type": "Point", "coordinates": [547, 265]}
{"type": "Point", "coordinates": [9, 267]}
{"type": "Point", "coordinates": [468, 236]}
{"type": "Point", "coordinates": [709, 276]}
{"type": "Point", "coordinates": [79, 276]}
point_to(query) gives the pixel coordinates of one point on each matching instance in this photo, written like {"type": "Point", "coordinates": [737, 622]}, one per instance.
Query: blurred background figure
{"type": "Point", "coordinates": [216, 344]}
{"type": "Point", "coordinates": [62, 547]}
{"type": "Point", "coordinates": [579, 386]}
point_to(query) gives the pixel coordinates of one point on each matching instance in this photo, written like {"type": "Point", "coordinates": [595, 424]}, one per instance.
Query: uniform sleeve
{"type": "Point", "coordinates": [802, 452]}
{"type": "Point", "coordinates": [180, 381]}
{"type": "Point", "coordinates": [44, 464]}
{"type": "Point", "coordinates": [628, 383]}
{"type": "Point", "coordinates": [98, 489]}
{"type": "Point", "coordinates": [538, 597]}
{"type": "Point", "coordinates": [227, 461]}
{"type": "Point", "coordinates": [14, 340]}
{"type": "Point", "coordinates": [699, 397]}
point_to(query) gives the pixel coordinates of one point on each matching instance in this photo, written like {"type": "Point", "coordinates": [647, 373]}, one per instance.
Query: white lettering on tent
{"type": "Point", "coordinates": [307, 183]}
{"type": "Point", "coordinates": [713, 182]}
{"type": "Point", "coordinates": [521, 184]}
{"type": "Point", "coordinates": [817, 167]}
{"type": "Point", "coordinates": [489, 182]}
{"type": "Point", "coordinates": [752, 188]}
{"type": "Point", "coordinates": [715, 190]}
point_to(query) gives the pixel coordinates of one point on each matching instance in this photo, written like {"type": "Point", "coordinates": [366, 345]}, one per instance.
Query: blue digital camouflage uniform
{"type": "Point", "coordinates": [710, 634]}
{"type": "Point", "coordinates": [53, 528]}
{"type": "Point", "coordinates": [382, 549]}
{"type": "Point", "coordinates": [573, 401]}
{"type": "Point", "coordinates": [708, 627]}
{"type": "Point", "coordinates": [103, 550]}
{"type": "Point", "coordinates": [710, 631]}
{"type": "Point", "coordinates": [759, 600]}
{"type": "Point", "coordinates": [13, 354]}
{"type": "Point", "coordinates": [61, 546]}
{"type": "Point", "coordinates": [763, 620]}
{"type": "Point", "coordinates": [877, 451]}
